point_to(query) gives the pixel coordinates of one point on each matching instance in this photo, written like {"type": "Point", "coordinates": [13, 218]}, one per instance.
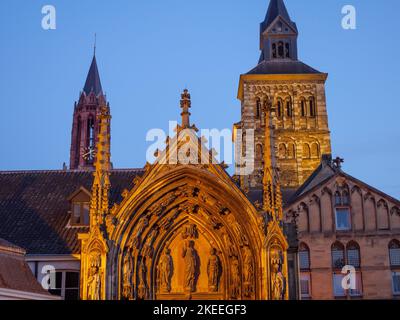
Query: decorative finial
{"type": "Point", "coordinates": [338, 162]}
{"type": "Point", "coordinates": [185, 105]}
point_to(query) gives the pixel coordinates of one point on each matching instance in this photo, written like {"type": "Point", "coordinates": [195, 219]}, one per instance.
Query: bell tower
{"type": "Point", "coordinates": [85, 124]}
{"type": "Point", "coordinates": [296, 92]}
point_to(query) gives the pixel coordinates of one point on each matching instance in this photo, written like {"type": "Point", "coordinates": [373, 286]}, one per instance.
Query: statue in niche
{"type": "Point", "coordinates": [94, 278]}
{"type": "Point", "coordinates": [235, 278]}
{"type": "Point", "coordinates": [127, 272]}
{"type": "Point", "coordinates": [229, 246]}
{"type": "Point", "coordinates": [248, 272]}
{"type": "Point", "coordinates": [142, 224]}
{"type": "Point", "coordinates": [238, 231]}
{"type": "Point", "coordinates": [148, 245]}
{"type": "Point", "coordinates": [142, 286]}
{"type": "Point", "coordinates": [165, 271]}
{"type": "Point", "coordinates": [277, 278]}
{"type": "Point", "coordinates": [213, 271]}
{"type": "Point", "coordinates": [190, 255]}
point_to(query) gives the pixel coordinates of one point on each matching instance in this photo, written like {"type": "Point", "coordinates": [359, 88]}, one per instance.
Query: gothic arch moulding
{"type": "Point", "coordinates": [183, 234]}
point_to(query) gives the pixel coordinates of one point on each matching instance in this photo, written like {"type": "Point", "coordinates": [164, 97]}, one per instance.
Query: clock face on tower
{"type": "Point", "coordinates": [88, 154]}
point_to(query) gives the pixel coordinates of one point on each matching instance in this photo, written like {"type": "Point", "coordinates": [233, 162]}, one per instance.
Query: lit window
{"type": "Point", "coordinates": [305, 285]}
{"type": "Point", "coordinates": [80, 213]}
{"type": "Point", "coordinates": [343, 219]}
{"type": "Point", "coordinates": [396, 282]}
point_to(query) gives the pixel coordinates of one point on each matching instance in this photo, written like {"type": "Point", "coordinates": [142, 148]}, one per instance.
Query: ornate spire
{"type": "Point", "coordinates": [101, 183]}
{"type": "Point", "coordinates": [185, 105]}
{"type": "Point", "coordinates": [93, 78]}
{"type": "Point", "coordinates": [271, 185]}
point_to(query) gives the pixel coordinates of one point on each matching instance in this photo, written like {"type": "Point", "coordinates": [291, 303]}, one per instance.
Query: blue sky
{"type": "Point", "coordinates": [148, 51]}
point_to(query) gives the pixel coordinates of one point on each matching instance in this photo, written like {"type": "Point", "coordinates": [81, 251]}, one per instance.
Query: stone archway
{"type": "Point", "coordinates": [192, 238]}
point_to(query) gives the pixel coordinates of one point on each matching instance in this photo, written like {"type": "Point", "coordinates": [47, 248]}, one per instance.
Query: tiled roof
{"type": "Point", "coordinates": [93, 82]}
{"type": "Point", "coordinates": [276, 9]}
{"type": "Point", "coordinates": [34, 210]}
{"type": "Point", "coordinates": [15, 274]}
{"type": "Point", "coordinates": [282, 67]}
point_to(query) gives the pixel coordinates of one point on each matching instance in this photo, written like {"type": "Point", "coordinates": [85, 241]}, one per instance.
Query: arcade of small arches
{"type": "Point", "coordinates": [309, 150]}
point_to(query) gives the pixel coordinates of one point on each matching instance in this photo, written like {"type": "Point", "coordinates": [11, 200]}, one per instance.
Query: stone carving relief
{"type": "Point", "coordinates": [94, 277]}
{"type": "Point", "coordinates": [190, 256]}
{"type": "Point", "coordinates": [148, 249]}
{"type": "Point", "coordinates": [235, 279]}
{"type": "Point", "coordinates": [142, 290]}
{"type": "Point", "coordinates": [277, 278]}
{"type": "Point", "coordinates": [237, 229]}
{"type": "Point", "coordinates": [127, 273]}
{"type": "Point", "coordinates": [166, 267]}
{"type": "Point", "coordinates": [213, 271]}
{"type": "Point", "coordinates": [248, 272]}
{"type": "Point", "coordinates": [190, 232]}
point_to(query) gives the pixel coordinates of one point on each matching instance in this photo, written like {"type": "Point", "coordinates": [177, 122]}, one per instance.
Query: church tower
{"type": "Point", "coordinates": [297, 94]}
{"type": "Point", "coordinates": [85, 124]}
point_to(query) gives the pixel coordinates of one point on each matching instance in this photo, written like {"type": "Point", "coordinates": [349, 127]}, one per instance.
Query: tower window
{"type": "Point", "coordinates": [274, 52]}
{"type": "Point", "coordinates": [281, 51]}
{"type": "Point", "coordinates": [289, 108]}
{"type": "Point", "coordinates": [287, 50]}
{"type": "Point", "coordinates": [312, 107]}
{"type": "Point", "coordinates": [280, 113]}
{"type": "Point", "coordinates": [258, 108]}
{"type": "Point", "coordinates": [303, 108]}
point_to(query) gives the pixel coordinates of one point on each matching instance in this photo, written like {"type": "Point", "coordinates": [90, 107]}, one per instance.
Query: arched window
{"type": "Point", "coordinates": [337, 251]}
{"type": "Point", "coordinates": [394, 253]}
{"type": "Point", "coordinates": [287, 50]}
{"type": "Point", "coordinates": [345, 198]}
{"type": "Point", "coordinates": [279, 111]}
{"type": "Point", "coordinates": [288, 108]}
{"type": "Point", "coordinates": [312, 107]}
{"type": "Point", "coordinates": [258, 108]}
{"type": "Point", "coordinates": [338, 199]}
{"type": "Point", "coordinates": [314, 150]}
{"type": "Point", "coordinates": [306, 151]}
{"type": "Point", "coordinates": [353, 254]}
{"type": "Point", "coordinates": [303, 110]}
{"type": "Point", "coordinates": [282, 151]}
{"type": "Point", "coordinates": [281, 50]}
{"type": "Point", "coordinates": [304, 257]}
{"type": "Point", "coordinates": [291, 151]}
{"type": "Point", "coordinates": [274, 51]}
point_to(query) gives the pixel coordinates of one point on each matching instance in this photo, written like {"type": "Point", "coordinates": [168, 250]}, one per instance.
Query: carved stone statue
{"type": "Point", "coordinates": [213, 271]}
{"type": "Point", "coordinates": [142, 286]}
{"type": "Point", "coordinates": [277, 278]}
{"type": "Point", "coordinates": [190, 232]}
{"type": "Point", "coordinates": [148, 246]}
{"type": "Point", "coordinates": [235, 278]}
{"type": "Point", "coordinates": [190, 255]}
{"type": "Point", "coordinates": [94, 279]}
{"type": "Point", "coordinates": [229, 246]}
{"type": "Point", "coordinates": [165, 271]}
{"type": "Point", "coordinates": [127, 271]}
{"type": "Point", "coordinates": [248, 272]}
{"type": "Point", "coordinates": [238, 231]}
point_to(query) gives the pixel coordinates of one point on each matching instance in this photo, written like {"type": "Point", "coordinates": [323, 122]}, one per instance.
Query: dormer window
{"type": "Point", "coordinates": [80, 204]}
{"type": "Point", "coordinates": [80, 213]}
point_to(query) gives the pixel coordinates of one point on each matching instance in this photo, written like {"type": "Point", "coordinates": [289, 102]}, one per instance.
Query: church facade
{"type": "Point", "coordinates": [183, 228]}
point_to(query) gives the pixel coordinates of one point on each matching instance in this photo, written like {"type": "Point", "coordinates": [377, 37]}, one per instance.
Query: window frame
{"type": "Point", "coordinates": [82, 205]}
{"type": "Point", "coordinates": [64, 280]}
{"type": "Point", "coordinates": [337, 208]}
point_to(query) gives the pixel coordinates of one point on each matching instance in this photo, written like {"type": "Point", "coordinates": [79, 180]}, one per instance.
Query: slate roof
{"type": "Point", "coordinates": [93, 82]}
{"type": "Point", "coordinates": [15, 273]}
{"type": "Point", "coordinates": [34, 209]}
{"type": "Point", "coordinates": [282, 67]}
{"type": "Point", "coordinates": [276, 8]}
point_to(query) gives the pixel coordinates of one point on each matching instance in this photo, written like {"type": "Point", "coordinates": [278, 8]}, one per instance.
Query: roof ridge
{"type": "Point", "coordinates": [65, 171]}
